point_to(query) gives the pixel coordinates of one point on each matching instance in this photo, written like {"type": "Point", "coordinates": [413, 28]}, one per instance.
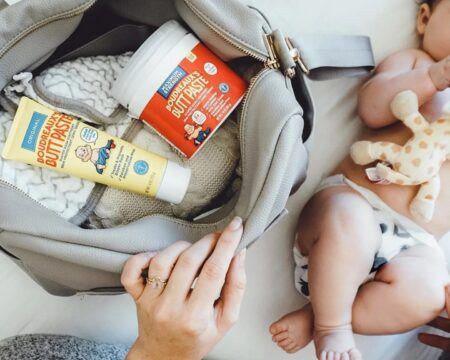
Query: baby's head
{"type": "Point", "coordinates": [83, 152]}
{"type": "Point", "coordinates": [189, 129]}
{"type": "Point", "coordinates": [433, 25]}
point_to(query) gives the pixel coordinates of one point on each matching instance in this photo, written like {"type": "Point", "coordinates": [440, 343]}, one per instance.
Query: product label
{"type": "Point", "coordinates": [59, 142]}
{"type": "Point", "coordinates": [31, 136]}
{"type": "Point", "coordinates": [194, 100]}
{"type": "Point", "coordinates": [177, 75]}
{"type": "Point", "coordinates": [372, 175]}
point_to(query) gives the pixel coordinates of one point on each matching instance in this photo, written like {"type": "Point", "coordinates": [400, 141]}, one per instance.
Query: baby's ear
{"type": "Point", "coordinates": [423, 17]}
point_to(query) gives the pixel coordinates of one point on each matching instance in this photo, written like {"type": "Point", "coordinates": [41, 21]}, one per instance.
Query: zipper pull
{"type": "Point", "coordinates": [272, 62]}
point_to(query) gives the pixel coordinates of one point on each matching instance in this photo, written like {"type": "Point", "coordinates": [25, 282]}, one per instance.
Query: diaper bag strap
{"type": "Point", "coordinates": [320, 57]}
{"type": "Point", "coordinates": [328, 57]}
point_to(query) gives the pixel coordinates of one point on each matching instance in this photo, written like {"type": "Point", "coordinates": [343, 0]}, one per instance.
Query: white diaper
{"type": "Point", "coordinates": [398, 233]}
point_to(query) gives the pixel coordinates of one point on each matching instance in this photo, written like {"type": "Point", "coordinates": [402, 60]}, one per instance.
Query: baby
{"type": "Point", "coordinates": [365, 264]}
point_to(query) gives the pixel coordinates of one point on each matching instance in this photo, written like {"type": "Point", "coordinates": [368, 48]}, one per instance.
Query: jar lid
{"type": "Point", "coordinates": [151, 52]}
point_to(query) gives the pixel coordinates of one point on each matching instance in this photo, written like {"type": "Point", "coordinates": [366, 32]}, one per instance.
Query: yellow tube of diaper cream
{"type": "Point", "coordinates": [42, 137]}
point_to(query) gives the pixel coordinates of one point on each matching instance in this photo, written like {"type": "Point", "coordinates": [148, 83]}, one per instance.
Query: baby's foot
{"type": "Point", "coordinates": [294, 331]}
{"type": "Point", "coordinates": [335, 343]}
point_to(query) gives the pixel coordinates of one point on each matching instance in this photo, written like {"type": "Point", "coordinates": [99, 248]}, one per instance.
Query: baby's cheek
{"type": "Point", "coordinates": [436, 41]}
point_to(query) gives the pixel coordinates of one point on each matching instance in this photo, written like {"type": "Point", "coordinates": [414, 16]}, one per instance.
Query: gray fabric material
{"type": "Point", "coordinates": [31, 50]}
{"type": "Point", "coordinates": [213, 21]}
{"type": "Point", "coordinates": [32, 12]}
{"type": "Point", "coordinates": [31, 30]}
{"type": "Point", "coordinates": [58, 347]}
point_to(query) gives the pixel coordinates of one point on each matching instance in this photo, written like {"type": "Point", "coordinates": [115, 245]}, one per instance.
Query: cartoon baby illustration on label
{"type": "Point", "coordinates": [196, 133]}
{"type": "Point", "coordinates": [97, 156]}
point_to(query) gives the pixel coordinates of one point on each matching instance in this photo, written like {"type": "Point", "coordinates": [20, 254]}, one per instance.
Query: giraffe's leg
{"type": "Point", "coordinates": [422, 207]}
{"type": "Point", "coordinates": [405, 107]}
{"type": "Point", "coordinates": [417, 123]}
{"type": "Point", "coordinates": [366, 152]}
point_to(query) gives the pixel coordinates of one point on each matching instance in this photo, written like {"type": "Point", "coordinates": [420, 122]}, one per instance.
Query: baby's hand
{"type": "Point", "coordinates": [440, 74]}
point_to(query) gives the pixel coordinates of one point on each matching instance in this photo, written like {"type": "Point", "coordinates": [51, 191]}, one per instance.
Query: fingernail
{"type": "Point", "coordinates": [242, 256]}
{"type": "Point", "coordinates": [235, 224]}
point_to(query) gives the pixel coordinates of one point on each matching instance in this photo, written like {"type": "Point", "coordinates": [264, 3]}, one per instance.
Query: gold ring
{"type": "Point", "coordinates": [156, 282]}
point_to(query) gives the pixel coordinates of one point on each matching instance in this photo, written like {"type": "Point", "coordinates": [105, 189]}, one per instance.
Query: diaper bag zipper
{"type": "Point", "coordinates": [271, 60]}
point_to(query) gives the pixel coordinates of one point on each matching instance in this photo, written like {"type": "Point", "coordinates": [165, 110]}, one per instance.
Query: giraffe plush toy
{"type": "Point", "coordinates": [418, 161]}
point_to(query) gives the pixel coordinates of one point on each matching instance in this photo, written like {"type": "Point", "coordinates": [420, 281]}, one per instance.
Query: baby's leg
{"type": "Point", "coordinates": [339, 261]}
{"type": "Point", "coordinates": [407, 292]}
{"type": "Point", "coordinates": [339, 233]}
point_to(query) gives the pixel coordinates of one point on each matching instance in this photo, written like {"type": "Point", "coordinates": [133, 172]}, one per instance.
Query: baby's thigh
{"type": "Point", "coordinates": [419, 275]}
{"type": "Point", "coordinates": [337, 213]}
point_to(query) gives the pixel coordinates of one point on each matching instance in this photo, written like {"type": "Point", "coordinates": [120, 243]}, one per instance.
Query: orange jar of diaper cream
{"type": "Point", "coordinates": [179, 87]}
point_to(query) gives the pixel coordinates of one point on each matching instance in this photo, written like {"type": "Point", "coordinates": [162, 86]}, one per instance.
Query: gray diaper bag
{"type": "Point", "coordinates": [275, 121]}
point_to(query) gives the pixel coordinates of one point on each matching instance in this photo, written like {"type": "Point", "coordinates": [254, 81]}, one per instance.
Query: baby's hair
{"type": "Point", "coordinates": [429, 2]}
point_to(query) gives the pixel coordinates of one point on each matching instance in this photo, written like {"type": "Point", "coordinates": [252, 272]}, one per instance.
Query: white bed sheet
{"type": "Point", "coordinates": [25, 308]}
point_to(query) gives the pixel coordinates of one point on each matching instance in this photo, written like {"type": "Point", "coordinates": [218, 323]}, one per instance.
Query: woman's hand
{"type": "Point", "coordinates": [441, 323]}
{"type": "Point", "coordinates": [175, 321]}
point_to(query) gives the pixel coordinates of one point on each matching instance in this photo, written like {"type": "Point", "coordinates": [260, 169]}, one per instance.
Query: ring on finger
{"type": "Point", "coordinates": [156, 282]}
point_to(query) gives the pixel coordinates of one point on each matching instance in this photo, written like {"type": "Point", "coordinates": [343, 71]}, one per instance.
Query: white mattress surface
{"type": "Point", "coordinates": [25, 308]}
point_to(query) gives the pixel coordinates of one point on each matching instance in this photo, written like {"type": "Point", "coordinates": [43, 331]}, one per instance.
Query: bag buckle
{"type": "Point", "coordinates": [273, 61]}
{"type": "Point", "coordinates": [295, 53]}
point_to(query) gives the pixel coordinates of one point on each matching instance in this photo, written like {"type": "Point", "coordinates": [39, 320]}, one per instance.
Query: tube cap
{"type": "Point", "coordinates": [174, 183]}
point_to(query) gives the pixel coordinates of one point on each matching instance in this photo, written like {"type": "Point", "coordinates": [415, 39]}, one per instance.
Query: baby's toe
{"type": "Point", "coordinates": [355, 354]}
{"type": "Point", "coordinates": [345, 356]}
{"type": "Point", "coordinates": [278, 327]}
{"type": "Point", "coordinates": [280, 336]}
{"type": "Point", "coordinates": [285, 343]}
{"type": "Point", "coordinates": [337, 356]}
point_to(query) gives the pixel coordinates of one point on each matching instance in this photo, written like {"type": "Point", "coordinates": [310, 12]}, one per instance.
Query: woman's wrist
{"type": "Point", "coordinates": [139, 351]}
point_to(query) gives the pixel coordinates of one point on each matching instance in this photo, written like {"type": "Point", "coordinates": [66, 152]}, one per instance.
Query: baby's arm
{"type": "Point", "coordinates": [395, 74]}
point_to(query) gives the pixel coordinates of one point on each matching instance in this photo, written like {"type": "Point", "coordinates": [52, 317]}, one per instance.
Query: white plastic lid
{"type": "Point", "coordinates": [152, 74]}
{"type": "Point", "coordinates": [151, 52]}
{"type": "Point", "coordinates": [174, 183]}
